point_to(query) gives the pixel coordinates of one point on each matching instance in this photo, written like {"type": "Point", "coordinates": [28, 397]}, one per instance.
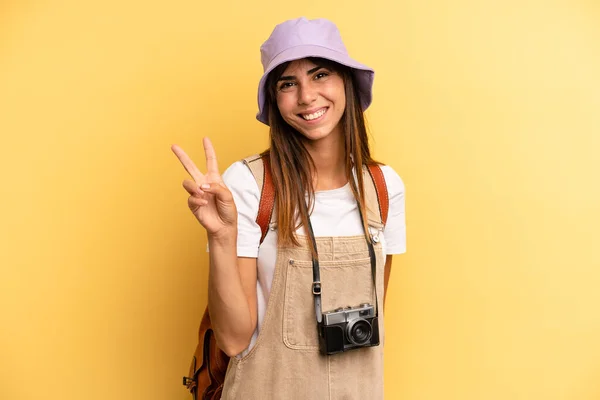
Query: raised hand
{"type": "Point", "coordinates": [210, 201]}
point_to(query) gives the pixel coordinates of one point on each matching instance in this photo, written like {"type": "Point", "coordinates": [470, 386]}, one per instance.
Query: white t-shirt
{"type": "Point", "coordinates": [335, 213]}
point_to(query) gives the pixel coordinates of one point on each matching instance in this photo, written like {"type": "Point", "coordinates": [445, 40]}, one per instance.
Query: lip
{"type": "Point", "coordinates": [312, 121]}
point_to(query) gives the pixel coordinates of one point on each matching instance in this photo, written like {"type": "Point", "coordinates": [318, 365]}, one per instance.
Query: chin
{"type": "Point", "coordinates": [316, 134]}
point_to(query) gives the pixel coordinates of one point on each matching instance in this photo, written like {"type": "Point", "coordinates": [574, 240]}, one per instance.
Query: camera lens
{"type": "Point", "coordinates": [359, 331]}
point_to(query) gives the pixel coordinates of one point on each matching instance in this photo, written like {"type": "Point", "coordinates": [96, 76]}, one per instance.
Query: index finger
{"type": "Point", "coordinates": [212, 167]}
{"type": "Point", "coordinates": [188, 164]}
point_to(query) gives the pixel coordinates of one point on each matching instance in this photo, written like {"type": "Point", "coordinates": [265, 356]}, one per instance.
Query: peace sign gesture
{"type": "Point", "coordinates": [210, 201]}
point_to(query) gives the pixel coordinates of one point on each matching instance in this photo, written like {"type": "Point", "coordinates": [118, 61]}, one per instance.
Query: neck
{"type": "Point", "coordinates": [329, 157]}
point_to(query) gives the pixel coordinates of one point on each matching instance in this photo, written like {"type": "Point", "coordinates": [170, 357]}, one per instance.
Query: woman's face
{"type": "Point", "coordinates": [311, 98]}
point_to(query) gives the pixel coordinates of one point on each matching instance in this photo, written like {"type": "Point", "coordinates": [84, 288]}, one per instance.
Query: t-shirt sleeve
{"type": "Point", "coordinates": [246, 196]}
{"type": "Point", "coordinates": [395, 229]}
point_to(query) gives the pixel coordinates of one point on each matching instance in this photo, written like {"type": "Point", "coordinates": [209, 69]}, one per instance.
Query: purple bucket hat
{"type": "Point", "coordinates": [301, 38]}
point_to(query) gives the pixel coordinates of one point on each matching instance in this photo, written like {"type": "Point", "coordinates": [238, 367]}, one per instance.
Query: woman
{"type": "Point", "coordinates": [281, 308]}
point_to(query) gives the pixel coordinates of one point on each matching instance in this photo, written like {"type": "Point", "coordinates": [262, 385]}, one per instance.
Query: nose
{"type": "Point", "coordinates": [307, 94]}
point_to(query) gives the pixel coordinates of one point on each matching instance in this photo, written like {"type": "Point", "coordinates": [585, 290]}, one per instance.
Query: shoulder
{"type": "Point", "coordinates": [395, 229]}
{"type": "Point", "coordinates": [238, 178]}
{"type": "Point", "coordinates": [246, 195]}
{"type": "Point", "coordinates": [236, 171]}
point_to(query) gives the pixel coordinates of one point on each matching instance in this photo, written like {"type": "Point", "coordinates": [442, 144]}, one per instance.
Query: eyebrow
{"type": "Point", "coordinates": [310, 71]}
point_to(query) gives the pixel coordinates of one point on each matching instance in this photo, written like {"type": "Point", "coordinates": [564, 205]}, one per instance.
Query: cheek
{"type": "Point", "coordinates": [337, 94]}
{"type": "Point", "coordinates": [285, 103]}
{"type": "Point", "coordinates": [339, 100]}
{"type": "Point", "coordinates": [342, 101]}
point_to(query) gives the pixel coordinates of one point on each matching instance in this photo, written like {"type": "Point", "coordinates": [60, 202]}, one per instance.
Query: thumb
{"type": "Point", "coordinates": [219, 190]}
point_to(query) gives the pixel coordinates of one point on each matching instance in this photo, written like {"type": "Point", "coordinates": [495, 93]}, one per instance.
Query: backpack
{"type": "Point", "coordinates": [209, 363]}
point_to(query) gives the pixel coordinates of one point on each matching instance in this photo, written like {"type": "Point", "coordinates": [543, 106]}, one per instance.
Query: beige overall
{"type": "Point", "coordinates": [285, 362]}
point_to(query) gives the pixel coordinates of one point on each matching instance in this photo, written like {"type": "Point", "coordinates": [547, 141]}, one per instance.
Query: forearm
{"type": "Point", "coordinates": [227, 303]}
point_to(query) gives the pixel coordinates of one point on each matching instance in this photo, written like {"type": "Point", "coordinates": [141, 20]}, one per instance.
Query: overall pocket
{"type": "Point", "coordinates": [343, 284]}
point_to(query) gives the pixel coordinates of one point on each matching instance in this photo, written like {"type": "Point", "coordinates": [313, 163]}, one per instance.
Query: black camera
{"type": "Point", "coordinates": [348, 328]}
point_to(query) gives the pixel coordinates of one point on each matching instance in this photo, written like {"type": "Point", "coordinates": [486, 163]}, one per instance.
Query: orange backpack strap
{"type": "Point", "coordinates": [267, 199]}
{"type": "Point", "coordinates": [260, 166]}
{"type": "Point", "coordinates": [382, 192]}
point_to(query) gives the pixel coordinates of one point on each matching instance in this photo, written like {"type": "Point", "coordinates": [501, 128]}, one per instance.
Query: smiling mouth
{"type": "Point", "coordinates": [316, 115]}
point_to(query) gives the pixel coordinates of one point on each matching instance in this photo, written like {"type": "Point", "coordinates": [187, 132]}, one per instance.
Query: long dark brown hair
{"type": "Point", "coordinates": [292, 164]}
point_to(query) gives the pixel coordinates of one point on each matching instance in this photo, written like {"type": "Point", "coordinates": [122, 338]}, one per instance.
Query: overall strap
{"type": "Point", "coordinates": [376, 193]}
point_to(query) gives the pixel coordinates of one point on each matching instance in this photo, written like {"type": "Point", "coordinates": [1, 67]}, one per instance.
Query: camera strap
{"type": "Point", "coordinates": [316, 285]}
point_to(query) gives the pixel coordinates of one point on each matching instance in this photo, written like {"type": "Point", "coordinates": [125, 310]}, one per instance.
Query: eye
{"type": "Point", "coordinates": [320, 75]}
{"type": "Point", "coordinates": [286, 85]}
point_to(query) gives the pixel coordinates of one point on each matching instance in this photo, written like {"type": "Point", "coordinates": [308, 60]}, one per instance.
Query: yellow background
{"type": "Point", "coordinates": [489, 110]}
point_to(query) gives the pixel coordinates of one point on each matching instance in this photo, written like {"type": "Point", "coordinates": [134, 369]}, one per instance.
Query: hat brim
{"type": "Point", "coordinates": [364, 75]}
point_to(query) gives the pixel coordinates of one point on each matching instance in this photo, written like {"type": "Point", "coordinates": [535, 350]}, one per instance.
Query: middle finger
{"type": "Point", "coordinates": [188, 164]}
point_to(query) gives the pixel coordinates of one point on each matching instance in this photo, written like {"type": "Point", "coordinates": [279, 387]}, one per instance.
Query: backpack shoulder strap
{"type": "Point", "coordinates": [381, 191]}
{"type": "Point", "coordinates": [376, 196]}
{"type": "Point", "coordinates": [260, 167]}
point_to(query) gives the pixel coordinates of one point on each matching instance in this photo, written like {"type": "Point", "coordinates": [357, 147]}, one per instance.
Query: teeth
{"type": "Point", "coordinates": [314, 115]}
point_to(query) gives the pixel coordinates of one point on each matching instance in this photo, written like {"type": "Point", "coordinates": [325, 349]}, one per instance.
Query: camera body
{"type": "Point", "coordinates": [348, 328]}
